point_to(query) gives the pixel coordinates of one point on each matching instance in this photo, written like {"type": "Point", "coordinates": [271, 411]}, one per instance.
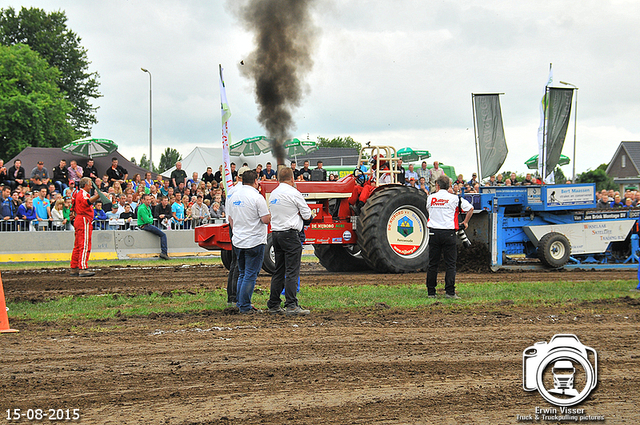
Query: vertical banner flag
{"type": "Point", "coordinates": [492, 145]}
{"type": "Point", "coordinates": [226, 113]}
{"type": "Point", "coordinates": [542, 127]}
{"type": "Point", "coordinates": [558, 113]}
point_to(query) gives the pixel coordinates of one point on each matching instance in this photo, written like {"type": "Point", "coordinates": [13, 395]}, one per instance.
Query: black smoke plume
{"type": "Point", "coordinates": [284, 35]}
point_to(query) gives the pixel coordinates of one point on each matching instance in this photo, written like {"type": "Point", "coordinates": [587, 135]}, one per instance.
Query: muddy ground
{"type": "Point", "coordinates": [376, 365]}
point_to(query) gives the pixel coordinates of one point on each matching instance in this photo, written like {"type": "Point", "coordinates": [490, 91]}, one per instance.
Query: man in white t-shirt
{"type": "Point", "coordinates": [288, 209]}
{"type": "Point", "coordinates": [443, 224]}
{"type": "Point", "coordinates": [248, 218]}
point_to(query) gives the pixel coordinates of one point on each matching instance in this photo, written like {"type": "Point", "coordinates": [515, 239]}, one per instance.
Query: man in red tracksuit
{"type": "Point", "coordinates": [83, 207]}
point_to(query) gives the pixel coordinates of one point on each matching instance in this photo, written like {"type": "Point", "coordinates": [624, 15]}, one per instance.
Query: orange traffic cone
{"type": "Point", "coordinates": [4, 319]}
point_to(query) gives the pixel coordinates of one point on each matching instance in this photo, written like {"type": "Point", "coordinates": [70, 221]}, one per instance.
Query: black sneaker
{"type": "Point", "coordinates": [86, 273]}
{"type": "Point", "coordinates": [73, 272]}
{"type": "Point", "coordinates": [276, 310]}
{"type": "Point", "coordinates": [164, 257]}
{"type": "Point", "coordinates": [296, 311]}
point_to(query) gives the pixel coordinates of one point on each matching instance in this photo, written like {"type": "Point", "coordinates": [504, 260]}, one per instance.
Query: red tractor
{"type": "Point", "coordinates": [386, 231]}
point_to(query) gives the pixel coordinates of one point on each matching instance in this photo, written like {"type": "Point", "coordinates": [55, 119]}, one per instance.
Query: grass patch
{"type": "Point", "coordinates": [321, 298]}
{"type": "Point", "coordinates": [142, 262]}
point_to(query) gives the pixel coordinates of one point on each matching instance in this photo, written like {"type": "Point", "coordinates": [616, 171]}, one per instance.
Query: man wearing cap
{"type": "Point", "coordinates": [83, 225]}
{"type": "Point", "coordinates": [40, 171]}
{"type": "Point", "coordinates": [474, 180]}
{"type": "Point", "coordinates": [9, 212]}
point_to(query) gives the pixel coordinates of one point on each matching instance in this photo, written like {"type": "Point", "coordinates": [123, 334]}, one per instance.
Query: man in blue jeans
{"type": "Point", "coordinates": [248, 217]}
{"type": "Point", "coordinates": [145, 222]}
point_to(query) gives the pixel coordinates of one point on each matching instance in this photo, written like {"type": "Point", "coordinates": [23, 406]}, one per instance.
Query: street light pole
{"type": "Point", "coordinates": [150, 120]}
{"type": "Point", "coordinates": [575, 127]}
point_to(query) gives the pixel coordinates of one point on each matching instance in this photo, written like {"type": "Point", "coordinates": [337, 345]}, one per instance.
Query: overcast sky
{"type": "Point", "coordinates": [391, 72]}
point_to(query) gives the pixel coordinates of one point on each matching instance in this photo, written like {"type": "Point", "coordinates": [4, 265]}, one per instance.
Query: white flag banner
{"type": "Point", "coordinates": [226, 113]}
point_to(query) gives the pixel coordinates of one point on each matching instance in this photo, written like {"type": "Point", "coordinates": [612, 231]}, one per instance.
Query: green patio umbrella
{"type": "Point", "coordinates": [408, 154]}
{"type": "Point", "coordinates": [90, 148]}
{"type": "Point", "coordinates": [252, 146]}
{"type": "Point", "coordinates": [532, 163]}
{"type": "Point", "coordinates": [295, 147]}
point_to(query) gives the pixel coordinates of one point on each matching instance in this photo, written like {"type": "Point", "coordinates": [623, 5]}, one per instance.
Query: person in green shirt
{"type": "Point", "coordinates": [66, 212]}
{"type": "Point", "coordinates": [145, 222]}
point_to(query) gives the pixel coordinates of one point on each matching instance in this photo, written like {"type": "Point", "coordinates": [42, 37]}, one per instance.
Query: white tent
{"type": "Point", "coordinates": [200, 158]}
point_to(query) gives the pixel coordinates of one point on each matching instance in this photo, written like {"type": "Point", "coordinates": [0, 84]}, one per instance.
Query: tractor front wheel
{"type": "Point", "coordinates": [341, 258]}
{"type": "Point", "coordinates": [392, 230]}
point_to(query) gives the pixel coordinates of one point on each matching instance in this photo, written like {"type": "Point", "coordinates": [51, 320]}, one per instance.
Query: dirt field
{"type": "Point", "coordinates": [376, 365]}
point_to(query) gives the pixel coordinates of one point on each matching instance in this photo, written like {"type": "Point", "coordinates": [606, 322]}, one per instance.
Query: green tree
{"type": "Point", "coordinates": [598, 176]}
{"type": "Point", "coordinates": [47, 34]}
{"type": "Point", "coordinates": [144, 163]}
{"type": "Point", "coordinates": [338, 142]}
{"type": "Point", "coordinates": [33, 111]}
{"type": "Point", "coordinates": [559, 176]}
{"type": "Point", "coordinates": [168, 159]}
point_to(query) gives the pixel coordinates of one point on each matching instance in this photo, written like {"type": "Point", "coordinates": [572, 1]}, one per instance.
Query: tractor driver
{"type": "Point", "coordinates": [362, 193]}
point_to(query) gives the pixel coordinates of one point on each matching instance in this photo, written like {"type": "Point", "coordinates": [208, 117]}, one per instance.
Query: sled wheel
{"type": "Point", "coordinates": [554, 249]}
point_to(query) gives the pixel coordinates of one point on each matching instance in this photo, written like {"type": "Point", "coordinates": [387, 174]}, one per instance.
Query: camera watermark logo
{"type": "Point", "coordinates": [564, 371]}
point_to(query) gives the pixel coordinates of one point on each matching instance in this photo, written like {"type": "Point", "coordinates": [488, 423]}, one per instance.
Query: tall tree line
{"type": "Point", "coordinates": [37, 49]}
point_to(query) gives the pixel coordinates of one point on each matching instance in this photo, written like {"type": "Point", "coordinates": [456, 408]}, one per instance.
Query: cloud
{"type": "Point", "coordinates": [398, 73]}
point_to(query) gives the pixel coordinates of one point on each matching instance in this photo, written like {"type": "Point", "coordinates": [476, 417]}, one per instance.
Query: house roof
{"type": "Point", "coordinates": [330, 156]}
{"type": "Point", "coordinates": [633, 152]}
{"type": "Point", "coordinates": [52, 156]}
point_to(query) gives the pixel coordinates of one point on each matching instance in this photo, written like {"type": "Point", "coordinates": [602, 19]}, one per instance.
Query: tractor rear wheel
{"type": "Point", "coordinates": [225, 256]}
{"type": "Point", "coordinates": [341, 258]}
{"type": "Point", "coordinates": [392, 230]}
{"type": "Point", "coordinates": [554, 249]}
{"type": "Point", "coordinates": [269, 261]}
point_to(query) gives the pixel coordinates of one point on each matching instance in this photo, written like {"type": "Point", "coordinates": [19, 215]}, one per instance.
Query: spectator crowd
{"type": "Point", "coordinates": [41, 199]}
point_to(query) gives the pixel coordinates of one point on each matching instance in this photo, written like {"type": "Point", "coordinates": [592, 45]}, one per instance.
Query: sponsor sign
{"type": "Point", "coordinates": [533, 195]}
{"type": "Point", "coordinates": [405, 232]}
{"type": "Point", "coordinates": [560, 196]}
{"type": "Point", "coordinates": [327, 226]}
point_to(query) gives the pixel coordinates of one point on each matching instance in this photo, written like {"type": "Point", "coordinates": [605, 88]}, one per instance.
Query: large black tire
{"type": "Point", "coordinates": [554, 250]}
{"type": "Point", "coordinates": [225, 256]}
{"type": "Point", "coordinates": [392, 230]}
{"type": "Point", "coordinates": [269, 262]}
{"type": "Point", "coordinates": [341, 258]}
